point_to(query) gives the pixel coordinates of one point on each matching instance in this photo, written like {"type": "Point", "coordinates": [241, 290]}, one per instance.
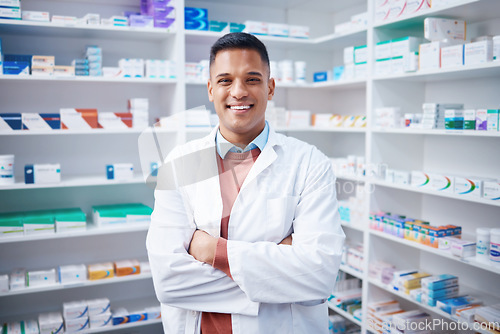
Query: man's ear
{"type": "Point", "coordinates": [210, 91]}
{"type": "Point", "coordinates": [271, 85]}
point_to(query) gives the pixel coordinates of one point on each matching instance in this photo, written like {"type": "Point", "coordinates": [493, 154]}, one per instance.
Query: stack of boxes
{"type": "Point", "coordinates": [139, 108]}
{"type": "Point", "coordinates": [396, 56]}
{"type": "Point", "coordinates": [76, 316]}
{"type": "Point", "coordinates": [94, 57]}
{"type": "Point", "coordinates": [434, 115]}
{"type": "Point", "coordinates": [10, 9]}
{"type": "Point", "coordinates": [196, 18]}
{"type": "Point", "coordinates": [162, 12]}
{"type": "Point", "coordinates": [438, 287]}
{"type": "Point", "coordinates": [99, 313]}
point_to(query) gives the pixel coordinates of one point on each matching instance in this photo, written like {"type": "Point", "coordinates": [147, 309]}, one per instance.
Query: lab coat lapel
{"type": "Point", "coordinates": [265, 159]}
{"type": "Point", "coordinates": [209, 200]}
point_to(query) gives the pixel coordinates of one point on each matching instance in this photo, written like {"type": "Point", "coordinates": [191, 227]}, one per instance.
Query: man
{"type": "Point", "coordinates": [245, 235]}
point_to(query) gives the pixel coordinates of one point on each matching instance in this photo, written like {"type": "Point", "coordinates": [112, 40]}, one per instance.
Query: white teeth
{"type": "Point", "coordinates": [240, 107]}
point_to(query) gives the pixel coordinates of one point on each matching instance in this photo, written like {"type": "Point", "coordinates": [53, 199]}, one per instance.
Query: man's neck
{"type": "Point", "coordinates": [242, 140]}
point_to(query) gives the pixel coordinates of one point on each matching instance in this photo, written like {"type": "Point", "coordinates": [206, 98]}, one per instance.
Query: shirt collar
{"type": "Point", "coordinates": [224, 146]}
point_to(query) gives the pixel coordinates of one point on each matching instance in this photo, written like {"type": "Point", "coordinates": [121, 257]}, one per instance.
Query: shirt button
{"type": "Point", "coordinates": [193, 313]}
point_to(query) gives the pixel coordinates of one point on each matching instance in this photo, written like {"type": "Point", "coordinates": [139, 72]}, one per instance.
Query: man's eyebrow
{"type": "Point", "coordinates": [222, 75]}
{"type": "Point", "coordinates": [255, 73]}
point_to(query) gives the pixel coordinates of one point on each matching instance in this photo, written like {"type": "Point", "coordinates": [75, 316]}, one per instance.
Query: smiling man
{"type": "Point", "coordinates": [245, 235]}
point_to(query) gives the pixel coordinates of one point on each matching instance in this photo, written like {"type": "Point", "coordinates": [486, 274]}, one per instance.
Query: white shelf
{"type": "Point", "coordinates": [471, 261]}
{"type": "Point", "coordinates": [343, 313]}
{"type": "Point", "coordinates": [351, 271]}
{"type": "Point", "coordinates": [341, 40]}
{"type": "Point", "coordinates": [353, 178]}
{"type": "Point", "coordinates": [354, 226]}
{"type": "Point", "coordinates": [469, 10]}
{"type": "Point", "coordinates": [435, 193]}
{"type": "Point", "coordinates": [439, 132]}
{"type": "Point", "coordinates": [87, 31]}
{"type": "Point", "coordinates": [87, 79]}
{"type": "Point", "coordinates": [341, 84]}
{"type": "Point", "coordinates": [320, 129]}
{"type": "Point", "coordinates": [209, 37]}
{"type": "Point", "coordinates": [75, 181]}
{"type": "Point", "coordinates": [70, 132]}
{"type": "Point", "coordinates": [58, 286]}
{"type": "Point", "coordinates": [490, 69]}
{"type": "Point", "coordinates": [463, 290]}
{"type": "Point", "coordinates": [92, 230]}
{"type": "Point", "coordinates": [123, 326]}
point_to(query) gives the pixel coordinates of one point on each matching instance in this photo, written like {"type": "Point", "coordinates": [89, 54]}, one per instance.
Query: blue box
{"type": "Point", "coordinates": [217, 25]}
{"type": "Point", "coordinates": [193, 13]}
{"type": "Point", "coordinates": [16, 67]}
{"type": "Point", "coordinates": [196, 25]}
{"type": "Point", "coordinates": [13, 120]}
{"type": "Point", "coordinates": [52, 119]}
{"type": "Point", "coordinates": [321, 76]}
{"type": "Point", "coordinates": [338, 73]}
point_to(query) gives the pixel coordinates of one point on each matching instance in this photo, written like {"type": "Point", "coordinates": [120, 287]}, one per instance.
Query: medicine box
{"type": "Point", "coordinates": [42, 121]}
{"type": "Point", "coordinates": [478, 52]}
{"type": "Point", "coordinates": [430, 56]}
{"type": "Point", "coordinates": [78, 119]}
{"type": "Point", "coordinates": [298, 31]}
{"type": "Point", "coordinates": [70, 220]}
{"type": "Point", "coordinates": [100, 270]}
{"type": "Point", "coordinates": [278, 29]}
{"type": "Point", "coordinates": [13, 13]}
{"type": "Point", "coordinates": [236, 27]}
{"type": "Point", "coordinates": [439, 282]}
{"type": "Point", "coordinates": [218, 26]}
{"type": "Point", "coordinates": [127, 267]}
{"type": "Point", "coordinates": [11, 225]}
{"type": "Point", "coordinates": [110, 120]}
{"type": "Point", "coordinates": [439, 29]}
{"type": "Point", "coordinates": [481, 119]}
{"type": "Point", "coordinates": [72, 273]}
{"type": "Point", "coordinates": [35, 16]}
{"type": "Point", "coordinates": [405, 45]}
{"type": "Point", "coordinates": [440, 182]}
{"type": "Point", "coordinates": [383, 50]}
{"type": "Point", "coordinates": [42, 173]}
{"type": "Point", "coordinates": [419, 179]}
{"type": "Point", "coordinates": [491, 190]}
{"type": "Point", "coordinates": [452, 56]}
{"type": "Point", "coordinates": [360, 54]}
{"type": "Point", "coordinates": [17, 279]}
{"type": "Point", "coordinates": [64, 71]}
{"type": "Point", "coordinates": [468, 186]}
{"type": "Point", "coordinates": [454, 119]}
{"type": "Point", "coordinates": [469, 119]}
{"type": "Point", "coordinates": [98, 306]}
{"type": "Point", "coordinates": [492, 121]}
{"type": "Point", "coordinates": [122, 171]}
{"type": "Point", "coordinates": [321, 76]}
{"type": "Point", "coordinates": [101, 320]}
{"type": "Point", "coordinates": [4, 283]}
{"type": "Point", "coordinates": [50, 322]}
{"type": "Point", "coordinates": [41, 277]}
{"type": "Point", "coordinates": [256, 27]}
{"type": "Point", "coordinates": [75, 310]}
{"type": "Point", "coordinates": [16, 67]}
{"type": "Point", "coordinates": [76, 325]}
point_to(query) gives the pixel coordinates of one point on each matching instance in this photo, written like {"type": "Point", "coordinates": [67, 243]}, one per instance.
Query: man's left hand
{"type": "Point", "coordinates": [202, 246]}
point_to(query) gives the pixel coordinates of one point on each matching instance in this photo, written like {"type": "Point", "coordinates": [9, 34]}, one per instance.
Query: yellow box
{"type": "Point", "coordinates": [127, 267]}
{"type": "Point", "coordinates": [100, 271]}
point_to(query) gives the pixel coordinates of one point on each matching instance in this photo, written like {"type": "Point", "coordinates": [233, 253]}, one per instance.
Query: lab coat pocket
{"type": "Point", "coordinates": [279, 218]}
{"type": "Point", "coordinates": [310, 319]}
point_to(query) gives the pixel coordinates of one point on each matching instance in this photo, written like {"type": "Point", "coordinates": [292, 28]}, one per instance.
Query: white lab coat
{"type": "Point", "coordinates": [275, 288]}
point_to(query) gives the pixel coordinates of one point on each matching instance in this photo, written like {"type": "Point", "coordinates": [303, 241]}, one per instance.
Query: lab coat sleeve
{"type": "Point", "coordinates": [305, 271]}
{"type": "Point", "coordinates": [179, 279]}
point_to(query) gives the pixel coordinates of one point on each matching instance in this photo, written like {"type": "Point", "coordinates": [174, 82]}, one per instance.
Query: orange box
{"type": "Point", "coordinates": [127, 267]}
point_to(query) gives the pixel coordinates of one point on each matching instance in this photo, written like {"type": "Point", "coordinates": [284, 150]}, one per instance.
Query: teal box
{"type": "Point", "coordinates": [218, 26]}
{"type": "Point", "coordinates": [236, 27]}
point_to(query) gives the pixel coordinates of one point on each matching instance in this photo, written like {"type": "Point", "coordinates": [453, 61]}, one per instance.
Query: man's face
{"type": "Point", "coordinates": [240, 87]}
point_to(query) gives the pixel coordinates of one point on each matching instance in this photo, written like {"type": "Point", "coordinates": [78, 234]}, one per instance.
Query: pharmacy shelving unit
{"type": "Point", "coordinates": [83, 154]}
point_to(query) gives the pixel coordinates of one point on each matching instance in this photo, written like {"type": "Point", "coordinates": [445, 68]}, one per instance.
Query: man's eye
{"type": "Point", "coordinates": [223, 81]}
{"type": "Point", "coordinates": [254, 80]}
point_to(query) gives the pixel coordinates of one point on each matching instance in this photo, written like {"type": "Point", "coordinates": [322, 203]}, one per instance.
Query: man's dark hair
{"type": "Point", "coordinates": [239, 40]}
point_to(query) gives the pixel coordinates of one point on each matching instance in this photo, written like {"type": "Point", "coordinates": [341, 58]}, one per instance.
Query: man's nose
{"type": "Point", "coordinates": [238, 89]}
